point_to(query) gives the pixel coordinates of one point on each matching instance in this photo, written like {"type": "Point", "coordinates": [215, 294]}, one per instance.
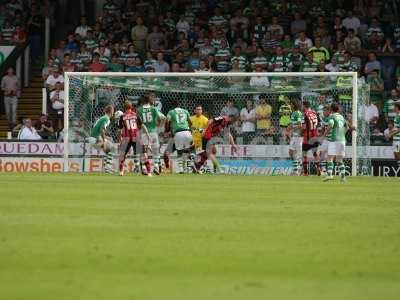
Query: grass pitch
{"type": "Point", "coordinates": [198, 237]}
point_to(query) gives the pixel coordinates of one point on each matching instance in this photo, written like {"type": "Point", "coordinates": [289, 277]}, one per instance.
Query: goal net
{"type": "Point", "coordinates": [263, 103]}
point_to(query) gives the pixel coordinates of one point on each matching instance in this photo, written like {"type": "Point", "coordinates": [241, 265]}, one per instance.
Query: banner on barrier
{"type": "Point", "coordinates": [223, 151]}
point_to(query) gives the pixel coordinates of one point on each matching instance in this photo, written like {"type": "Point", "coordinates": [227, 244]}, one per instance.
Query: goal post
{"type": "Point", "coordinates": [87, 92]}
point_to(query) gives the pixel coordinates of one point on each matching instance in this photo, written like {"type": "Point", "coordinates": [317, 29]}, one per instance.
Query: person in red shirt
{"type": "Point", "coordinates": [129, 126]}
{"type": "Point", "coordinates": [214, 128]}
{"type": "Point", "coordinates": [310, 136]}
{"type": "Point", "coordinates": [96, 65]}
{"type": "Point", "coordinates": [19, 36]}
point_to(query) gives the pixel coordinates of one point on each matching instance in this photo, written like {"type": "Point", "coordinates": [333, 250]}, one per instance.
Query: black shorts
{"type": "Point", "coordinates": [126, 146]}
{"type": "Point", "coordinates": [307, 147]}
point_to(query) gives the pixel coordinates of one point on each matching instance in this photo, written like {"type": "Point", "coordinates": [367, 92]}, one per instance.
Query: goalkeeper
{"type": "Point", "coordinates": [99, 138]}
{"type": "Point", "coordinates": [199, 124]}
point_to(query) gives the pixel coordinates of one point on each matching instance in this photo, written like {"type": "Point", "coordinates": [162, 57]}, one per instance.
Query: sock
{"type": "Point", "coordinates": [121, 165]}
{"type": "Point", "coordinates": [156, 164]}
{"type": "Point", "coordinates": [148, 166]}
{"type": "Point", "coordinates": [136, 162]}
{"type": "Point", "coordinates": [330, 168]}
{"type": "Point", "coordinates": [180, 165]}
{"type": "Point", "coordinates": [295, 165]}
{"type": "Point", "coordinates": [108, 162]}
{"type": "Point", "coordinates": [305, 165]}
{"type": "Point", "coordinates": [342, 169]}
{"type": "Point", "coordinates": [317, 161]}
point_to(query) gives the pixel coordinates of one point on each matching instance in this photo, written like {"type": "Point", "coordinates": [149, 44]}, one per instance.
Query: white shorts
{"type": "Point", "coordinates": [337, 149]}
{"type": "Point", "coordinates": [98, 143]}
{"type": "Point", "coordinates": [396, 146]}
{"type": "Point", "coordinates": [296, 144]}
{"type": "Point", "coordinates": [152, 140]}
{"type": "Point", "coordinates": [183, 140]}
{"type": "Point", "coordinates": [324, 146]}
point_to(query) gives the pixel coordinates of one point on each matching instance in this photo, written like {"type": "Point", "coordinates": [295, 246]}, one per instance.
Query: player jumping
{"type": "Point", "coordinates": [178, 122]}
{"type": "Point", "coordinates": [129, 127]}
{"type": "Point", "coordinates": [310, 137]}
{"type": "Point", "coordinates": [215, 126]}
{"type": "Point", "coordinates": [99, 138]}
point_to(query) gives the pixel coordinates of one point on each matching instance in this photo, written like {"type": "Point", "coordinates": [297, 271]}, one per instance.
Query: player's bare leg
{"type": "Point", "coordinates": [305, 164]}
{"type": "Point", "coordinates": [145, 163]}
{"type": "Point", "coordinates": [317, 161]}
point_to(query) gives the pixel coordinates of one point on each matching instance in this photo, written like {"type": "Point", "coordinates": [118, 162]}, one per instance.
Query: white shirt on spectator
{"type": "Point", "coordinates": [248, 126]}
{"type": "Point", "coordinates": [28, 134]}
{"type": "Point", "coordinates": [57, 105]}
{"type": "Point", "coordinates": [82, 30]}
{"type": "Point", "coordinates": [307, 43]}
{"type": "Point", "coordinates": [183, 26]}
{"type": "Point", "coordinates": [332, 68]}
{"type": "Point", "coordinates": [51, 80]}
{"type": "Point", "coordinates": [371, 112]}
{"type": "Point", "coordinates": [351, 23]}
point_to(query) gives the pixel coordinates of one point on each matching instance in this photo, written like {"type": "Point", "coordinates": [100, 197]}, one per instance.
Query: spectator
{"type": "Point", "coordinates": [139, 35]}
{"type": "Point", "coordinates": [372, 64]}
{"type": "Point", "coordinates": [83, 28]}
{"type": "Point", "coordinates": [35, 30]}
{"type": "Point", "coordinates": [47, 69]}
{"type": "Point", "coordinates": [259, 29]}
{"type": "Point", "coordinates": [10, 85]}
{"type": "Point", "coordinates": [19, 35]}
{"type": "Point", "coordinates": [309, 65]}
{"type": "Point", "coordinates": [269, 43]}
{"type": "Point", "coordinates": [263, 116]}
{"type": "Point", "coordinates": [160, 65]}
{"type": "Point", "coordinates": [223, 58]}
{"type": "Point", "coordinates": [296, 58]}
{"type": "Point", "coordinates": [149, 62]}
{"type": "Point", "coordinates": [183, 25]}
{"type": "Point", "coordinates": [76, 62]}
{"type": "Point", "coordinates": [28, 132]}
{"type": "Point", "coordinates": [298, 25]}
{"type": "Point", "coordinates": [372, 114]}
{"type": "Point", "coordinates": [275, 29]}
{"type": "Point", "coordinates": [115, 65]}
{"type": "Point", "coordinates": [387, 133]}
{"type": "Point", "coordinates": [248, 118]}
{"type": "Point", "coordinates": [303, 41]}
{"type": "Point", "coordinates": [240, 58]}
{"type": "Point", "coordinates": [218, 20]}
{"type": "Point", "coordinates": [44, 127]}
{"type": "Point", "coordinates": [206, 49]}
{"type": "Point", "coordinates": [193, 62]}
{"type": "Point", "coordinates": [280, 62]}
{"type": "Point", "coordinates": [351, 22]}
{"type": "Point", "coordinates": [319, 53]}
{"type": "Point", "coordinates": [352, 42]}
{"type": "Point", "coordinates": [85, 56]}
{"type": "Point", "coordinates": [155, 39]}
{"type": "Point", "coordinates": [137, 66]}
{"type": "Point", "coordinates": [91, 41]}
{"type": "Point", "coordinates": [375, 34]}
{"type": "Point", "coordinates": [239, 19]}
{"type": "Point", "coordinates": [53, 79]}
{"type": "Point", "coordinates": [67, 65]}
{"type": "Point", "coordinates": [259, 60]}
{"type": "Point", "coordinates": [229, 109]}
{"type": "Point", "coordinates": [376, 87]}
{"type": "Point", "coordinates": [96, 65]}
{"type": "Point", "coordinates": [72, 44]}
{"type": "Point", "coordinates": [388, 107]}
{"type": "Point", "coordinates": [332, 66]}
{"type": "Point", "coordinates": [57, 97]}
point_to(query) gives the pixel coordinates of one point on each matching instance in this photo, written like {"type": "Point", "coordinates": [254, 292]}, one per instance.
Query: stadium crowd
{"type": "Point", "coordinates": [221, 36]}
